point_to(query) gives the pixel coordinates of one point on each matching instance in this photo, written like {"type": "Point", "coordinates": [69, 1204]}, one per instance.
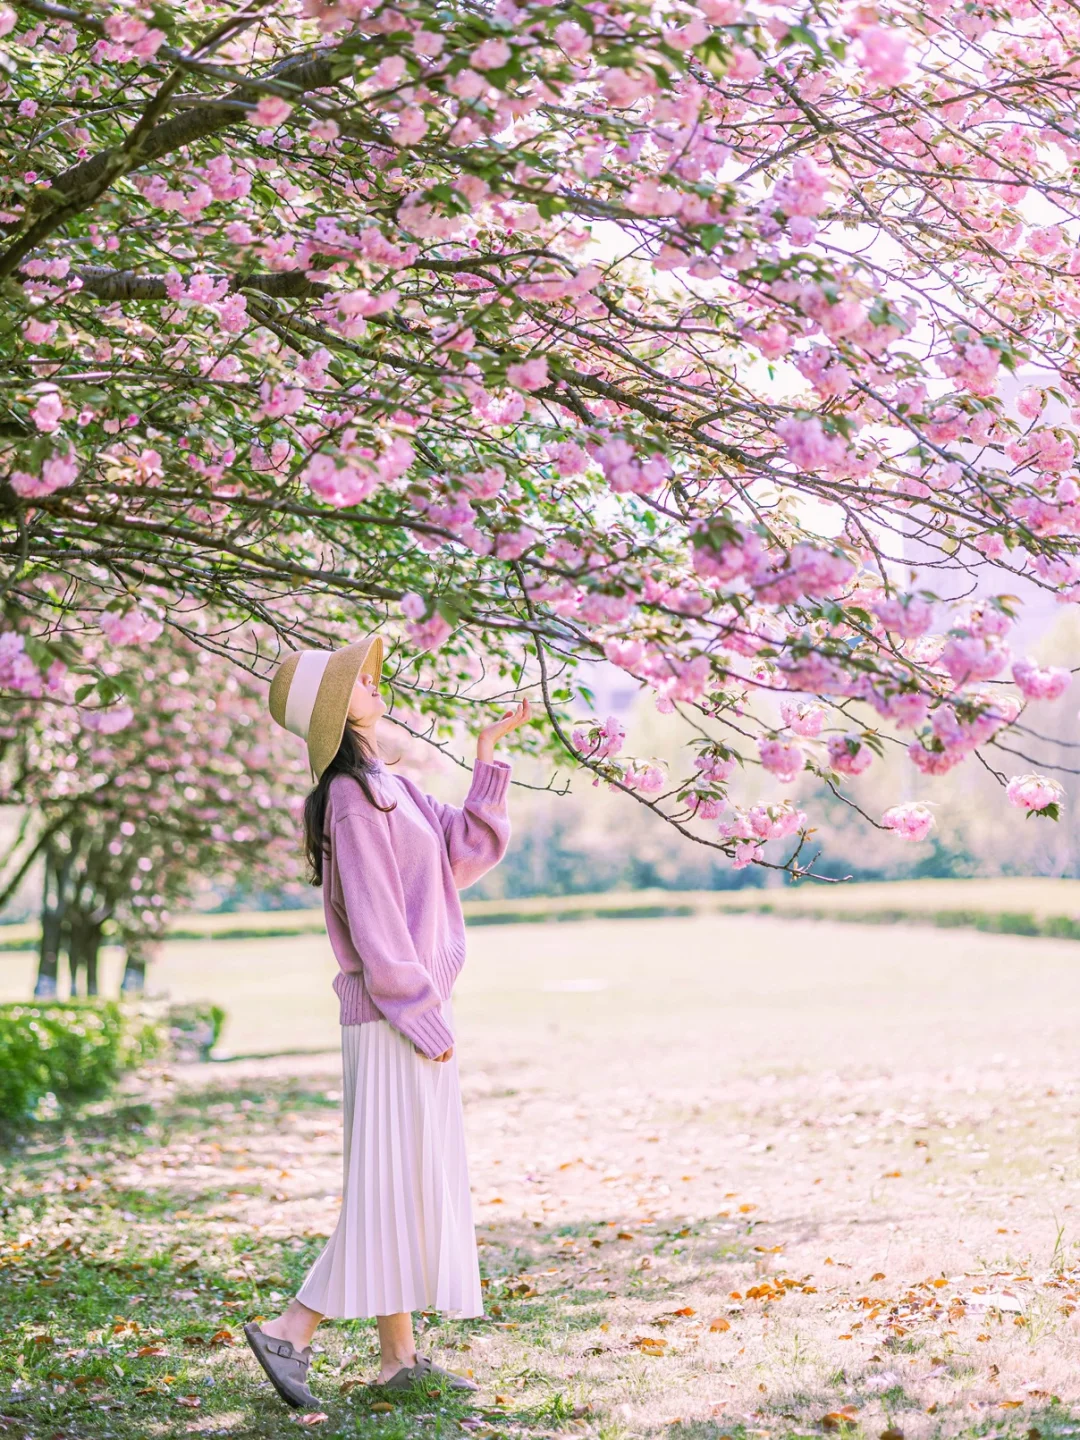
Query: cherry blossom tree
{"type": "Point", "coordinates": [126, 806]}
{"type": "Point", "coordinates": [537, 334]}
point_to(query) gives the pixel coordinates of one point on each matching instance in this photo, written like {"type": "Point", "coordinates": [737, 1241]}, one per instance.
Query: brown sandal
{"type": "Point", "coordinates": [423, 1370]}
{"type": "Point", "coordinates": [285, 1366]}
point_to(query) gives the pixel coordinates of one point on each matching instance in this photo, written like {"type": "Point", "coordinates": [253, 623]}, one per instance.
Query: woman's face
{"type": "Point", "coordinates": [366, 704]}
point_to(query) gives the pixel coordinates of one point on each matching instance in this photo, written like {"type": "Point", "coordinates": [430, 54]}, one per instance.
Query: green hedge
{"type": "Point", "coordinates": [71, 1049]}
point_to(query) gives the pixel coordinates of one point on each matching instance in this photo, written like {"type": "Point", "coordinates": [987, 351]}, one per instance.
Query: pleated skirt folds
{"type": "Point", "coordinates": [405, 1237]}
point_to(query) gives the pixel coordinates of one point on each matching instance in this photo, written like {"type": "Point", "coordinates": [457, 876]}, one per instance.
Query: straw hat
{"type": "Point", "coordinates": [311, 690]}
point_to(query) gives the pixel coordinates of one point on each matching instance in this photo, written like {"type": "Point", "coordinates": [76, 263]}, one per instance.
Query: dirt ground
{"type": "Point", "coordinates": [873, 1130]}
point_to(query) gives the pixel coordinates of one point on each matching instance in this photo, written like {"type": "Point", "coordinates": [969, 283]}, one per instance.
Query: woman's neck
{"type": "Point", "coordinates": [367, 736]}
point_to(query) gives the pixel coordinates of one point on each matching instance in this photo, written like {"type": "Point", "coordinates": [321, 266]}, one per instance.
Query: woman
{"type": "Point", "coordinates": [391, 861]}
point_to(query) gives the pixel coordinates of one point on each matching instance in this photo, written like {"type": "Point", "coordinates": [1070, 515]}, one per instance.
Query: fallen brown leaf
{"type": "Point", "coordinates": [649, 1344]}
{"type": "Point", "coordinates": [836, 1419]}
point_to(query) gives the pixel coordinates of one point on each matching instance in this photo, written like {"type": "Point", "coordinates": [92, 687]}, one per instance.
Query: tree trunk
{"type": "Point", "coordinates": [84, 945]}
{"type": "Point", "coordinates": [134, 981]}
{"type": "Point", "coordinates": [54, 899]}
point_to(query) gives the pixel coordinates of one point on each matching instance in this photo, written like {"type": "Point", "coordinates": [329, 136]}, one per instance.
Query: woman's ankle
{"type": "Point", "coordinates": [389, 1366]}
{"type": "Point", "coordinates": [397, 1343]}
{"type": "Point", "coordinates": [297, 1325]}
{"type": "Point", "coordinates": [395, 1359]}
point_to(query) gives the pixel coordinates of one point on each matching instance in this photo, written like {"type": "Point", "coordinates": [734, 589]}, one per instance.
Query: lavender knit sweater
{"type": "Point", "coordinates": [390, 897]}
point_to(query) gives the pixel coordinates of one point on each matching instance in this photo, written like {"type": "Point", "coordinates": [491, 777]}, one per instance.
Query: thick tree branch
{"type": "Point", "coordinates": [107, 284]}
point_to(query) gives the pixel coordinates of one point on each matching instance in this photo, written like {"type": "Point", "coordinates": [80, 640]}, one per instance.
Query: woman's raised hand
{"type": "Point", "coordinates": [491, 734]}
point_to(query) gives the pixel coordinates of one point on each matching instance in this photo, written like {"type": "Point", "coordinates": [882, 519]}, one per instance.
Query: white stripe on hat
{"type": "Point", "coordinates": [303, 688]}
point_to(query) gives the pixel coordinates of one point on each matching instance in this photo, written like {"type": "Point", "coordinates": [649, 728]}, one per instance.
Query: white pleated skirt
{"type": "Point", "coordinates": [405, 1237]}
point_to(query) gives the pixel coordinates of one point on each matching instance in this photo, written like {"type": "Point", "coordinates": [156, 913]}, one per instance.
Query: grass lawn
{"type": "Point", "coordinates": [732, 1176]}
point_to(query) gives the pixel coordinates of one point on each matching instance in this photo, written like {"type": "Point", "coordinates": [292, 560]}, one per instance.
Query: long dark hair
{"type": "Point", "coordinates": [354, 757]}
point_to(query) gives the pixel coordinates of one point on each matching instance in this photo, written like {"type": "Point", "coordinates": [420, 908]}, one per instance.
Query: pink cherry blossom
{"type": "Point", "coordinates": [627, 654]}
{"type": "Point", "coordinates": [970, 657]}
{"type": "Point", "coordinates": [1030, 403]}
{"type": "Point", "coordinates": [809, 446]}
{"type": "Point", "coordinates": [649, 779]}
{"type": "Point", "coordinates": [906, 615]}
{"type": "Point", "coordinates": [1046, 241]}
{"type": "Point", "coordinates": [848, 755]}
{"type": "Point", "coordinates": [38, 332]}
{"type": "Point", "coordinates": [491, 55]}
{"type": "Point", "coordinates": [340, 481]}
{"type": "Point", "coordinates": [803, 718]}
{"type": "Point", "coordinates": [573, 39]}
{"type": "Point", "coordinates": [272, 110]}
{"type": "Point", "coordinates": [17, 670]}
{"type": "Point", "coordinates": [47, 412]}
{"type": "Point", "coordinates": [107, 721]}
{"type": "Point", "coordinates": [773, 341]}
{"type": "Point", "coordinates": [429, 634]}
{"type": "Point", "coordinates": [1034, 792]}
{"type": "Point", "coordinates": [974, 366]}
{"type": "Point", "coordinates": [782, 758]}
{"type": "Point", "coordinates": [626, 471]}
{"type": "Point", "coordinates": [775, 822]}
{"type": "Point", "coordinates": [736, 556]}
{"type": "Point", "coordinates": [599, 742]}
{"type": "Point", "coordinates": [716, 769]}
{"type": "Point", "coordinates": [528, 374]}
{"type": "Point", "coordinates": [1040, 683]}
{"type": "Point", "coordinates": [934, 760]}
{"type": "Point", "coordinates": [884, 55]}
{"type": "Point", "coordinates": [804, 191]}
{"type": "Point", "coordinates": [56, 473]}
{"type": "Point", "coordinates": [911, 821]}
{"type": "Point", "coordinates": [129, 627]}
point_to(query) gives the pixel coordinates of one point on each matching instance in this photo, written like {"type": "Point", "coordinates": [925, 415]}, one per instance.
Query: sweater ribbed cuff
{"type": "Point", "coordinates": [490, 781]}
{"type": "Point", "coordinates": [431, 1032]}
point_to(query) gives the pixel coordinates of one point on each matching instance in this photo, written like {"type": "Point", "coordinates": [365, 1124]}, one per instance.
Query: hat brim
{"type": "Point", "coordinates": [331, 710]}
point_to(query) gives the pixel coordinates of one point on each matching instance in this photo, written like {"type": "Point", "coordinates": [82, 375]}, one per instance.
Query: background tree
{"type": "Point", "coordinates": [558, 332]}
{"type": "Point", "coordinates": [129, 806]}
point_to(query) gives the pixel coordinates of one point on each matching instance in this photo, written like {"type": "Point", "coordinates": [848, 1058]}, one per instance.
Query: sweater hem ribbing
{"type": "Point", "coordinates": [356, 1005]}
